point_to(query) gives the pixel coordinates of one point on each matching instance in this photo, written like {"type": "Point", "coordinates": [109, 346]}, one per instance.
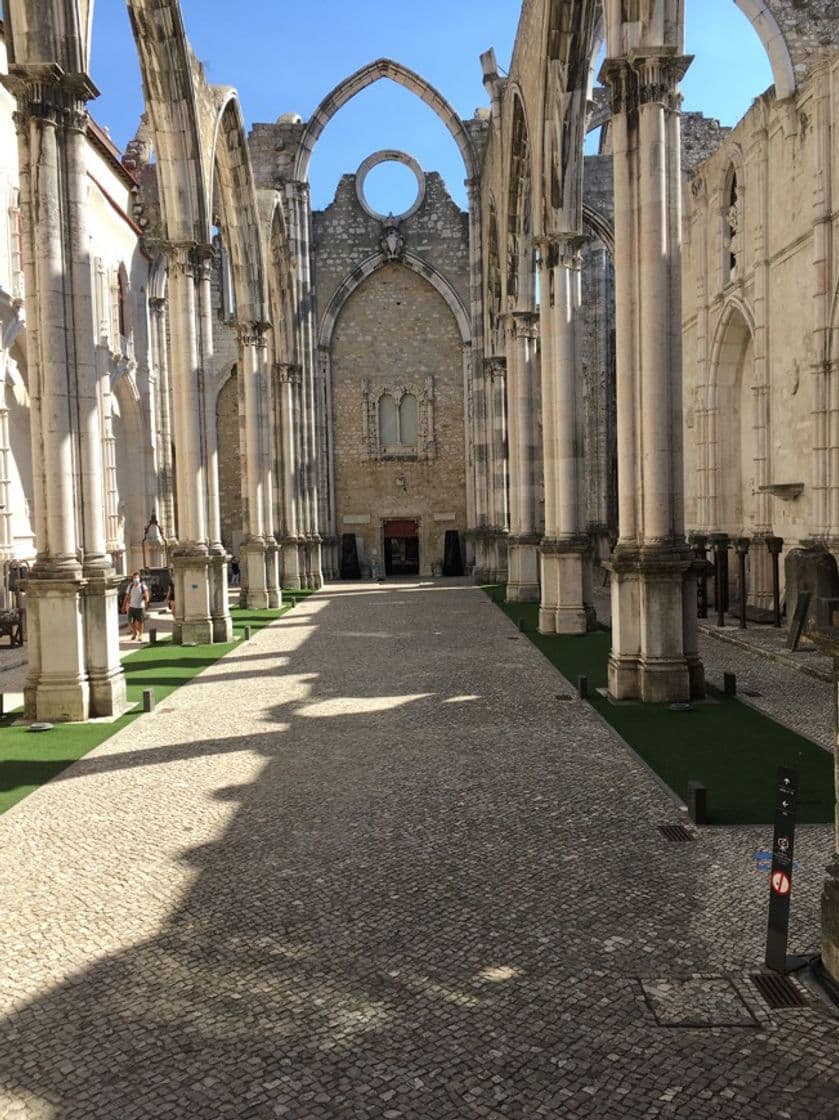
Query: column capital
{"type": "Point", "coordinates": [560, 250]}
{"type": "Point", "coordinates": [45, 92]}
{"type": "Point", "coordinates": [522, 324]}
{"type": "Point", "coordinates": [253, 333]}
{"type": "Point", "coordinates": [495, 368]}
{"type": "Point", "coordinates": [289, 373]}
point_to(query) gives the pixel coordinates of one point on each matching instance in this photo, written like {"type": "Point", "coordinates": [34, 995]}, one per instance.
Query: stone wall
{"type": "Point", "coordinates": [395, 332]}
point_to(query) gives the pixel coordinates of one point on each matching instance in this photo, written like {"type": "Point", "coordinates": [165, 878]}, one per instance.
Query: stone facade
{"type": "Point", "coordinates": [394, 334]}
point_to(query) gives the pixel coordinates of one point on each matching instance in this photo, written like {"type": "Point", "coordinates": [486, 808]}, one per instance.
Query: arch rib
{"type": "Point", "coordinates": [757, 12]}
{"type": "Point", "coordinates": [367, 76]}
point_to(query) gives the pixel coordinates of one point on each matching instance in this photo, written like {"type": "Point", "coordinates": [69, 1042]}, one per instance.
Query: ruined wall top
{"type": "Point", "coordinates": [810, 28]}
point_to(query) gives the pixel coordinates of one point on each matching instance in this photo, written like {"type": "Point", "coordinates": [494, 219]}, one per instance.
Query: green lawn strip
{"type": "Point", "coordinates": [28, 759]}
{"type": "Point", "coordinates": [732, 749]}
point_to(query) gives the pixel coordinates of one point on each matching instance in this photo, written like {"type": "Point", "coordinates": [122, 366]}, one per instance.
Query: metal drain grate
{"type": "Point", "coordinates": [778, 991]}
{"type": "Point", "coordinates": [675, 832]}
{"type": "Point", "coordinates": [750, 692]}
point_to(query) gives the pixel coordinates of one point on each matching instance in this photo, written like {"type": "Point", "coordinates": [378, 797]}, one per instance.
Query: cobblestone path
{"type": "Point", "coordinates": [380, 863]}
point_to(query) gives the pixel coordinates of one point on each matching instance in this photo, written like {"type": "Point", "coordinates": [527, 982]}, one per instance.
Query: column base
{"type": "Point", "coordinates": [290, 564]}
{"type": "Point", "coordinates": [523, 571]}
{"type": "Point", "coordinates": [253, 560]}
{"type": "Point", "coordinates": [108, 695]}
{"type": "Point", "coordinates": [651, 658]}
{"type": "Point", "coordinates": [566, 606]}
{"type": "Point", "coordinates": [314, 563]}
{"type": "Point", "coordinates": [193, 622]}
{"type": "Point", "coordinates": [57, 689]}
{"type": "Point", "coordinates": [830, 921]}
{"type": "Point", "coordinates": [272, 563]}
{"type": "Point", "coordinates": [220, 596]}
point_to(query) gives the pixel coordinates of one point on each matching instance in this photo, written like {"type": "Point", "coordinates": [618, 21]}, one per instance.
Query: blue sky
{"type": "Point", "coordinates": [286, 57]}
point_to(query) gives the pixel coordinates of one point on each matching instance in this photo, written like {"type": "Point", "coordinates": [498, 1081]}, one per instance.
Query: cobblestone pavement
{"type": "Point", "coordinates": [380, 863]}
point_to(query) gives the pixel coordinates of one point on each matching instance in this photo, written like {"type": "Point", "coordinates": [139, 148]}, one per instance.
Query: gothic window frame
{"type": "Point", "coordinates": [424, 448]}
{"type": "Point", "coordinates": [733, 225]}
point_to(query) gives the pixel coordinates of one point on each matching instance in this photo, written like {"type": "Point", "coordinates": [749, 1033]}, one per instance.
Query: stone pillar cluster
{"type": "Point", "coordinates": [524, 455]}
{"type": "Point", "coordinates": [74, 667]}
{"type": "Point", "coordinates": [198, 559]}
{"type": "Point", "coordinates": [566, 549]}
{"type": "Point", "coordinates": [654, 653]}
{"type": "Point", "coordinates": [300, 240]}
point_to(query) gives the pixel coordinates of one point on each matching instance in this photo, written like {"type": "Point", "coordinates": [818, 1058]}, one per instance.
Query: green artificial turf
{"type": "Point", "coordinates": [28, 759]}
{"type": "Point", "coordinates": [732, 749]}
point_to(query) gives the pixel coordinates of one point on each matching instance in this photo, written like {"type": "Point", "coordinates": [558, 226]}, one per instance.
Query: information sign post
{"type": "Point", "coordinates": [780, 877]}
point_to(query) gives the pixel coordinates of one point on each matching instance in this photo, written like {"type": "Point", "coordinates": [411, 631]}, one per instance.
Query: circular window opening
{"type": "Point", "coordinates": [390, 188]}
{"type": "Point", "coordinates": [390, 183]}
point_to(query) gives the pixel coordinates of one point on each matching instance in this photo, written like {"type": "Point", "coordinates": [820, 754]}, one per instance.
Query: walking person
{"type": "Point", "coordinates": [136, 600]}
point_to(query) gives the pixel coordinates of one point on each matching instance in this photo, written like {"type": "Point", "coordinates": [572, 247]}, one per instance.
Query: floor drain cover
{"type": "Point", "coordinates": [750, 692]}
{"type": "Point", "coordinates": [675, 832]}
{"type": "Point", "coordinates": [778, 991]}
{"type": "Point", "coordinates": [702, 1001]}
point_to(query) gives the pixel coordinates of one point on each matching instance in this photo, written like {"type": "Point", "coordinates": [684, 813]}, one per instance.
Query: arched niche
{"type": "Point", "coordinates": [733, 423]}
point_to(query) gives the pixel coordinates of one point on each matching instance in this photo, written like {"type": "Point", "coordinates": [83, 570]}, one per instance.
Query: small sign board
{"type": "Point", "coordinates": [780, 875]}
{"type": "Point", "coordinates": [798, 619]}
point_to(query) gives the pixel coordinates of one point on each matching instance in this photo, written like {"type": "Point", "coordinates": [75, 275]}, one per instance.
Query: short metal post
{"type": "Point", "coordinates": [521, 625]}
{"type": "Point", "coordinates": [729, 684]}
{"type": "Point", "coordinates": [582, 688]}
{"type": "Point", "coordinates": [741, 546]}
{"type": "Point", "coordinates": [774, 546]}
{"type": "Point", "coordinates": [719, 543]}
{"type": "Point", "coordinates": [153, 637]}
{"type": "Point", "coordinates": [247, 633]}
{"type": "Point", "coordinates": [148, 700]}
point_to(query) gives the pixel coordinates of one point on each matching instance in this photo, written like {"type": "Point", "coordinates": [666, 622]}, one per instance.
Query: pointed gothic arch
{"type": "Point", "coordinates": [759, 14]}
{"type": "Point", "coordinates": [373, 264]}
{"type": "Point", "coordinates": [235, 195]}
{"type": "Point", "coordinates": [367, 76]}
{"type": "Point", "coordinates": [732, 421]}
{"type": "Point", "coordinates": [520, 272]}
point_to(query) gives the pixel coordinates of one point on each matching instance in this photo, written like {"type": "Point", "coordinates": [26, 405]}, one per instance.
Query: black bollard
{"type": "Point", "coordinates": [729, 684]}
{"type": "Point", "coordinates": [152, 637]}
{"type": "Point", "coordinates": [521, 625]}
{"type": "Point", "coordinates": [247, 634]}
{"type": "Point", "coordinates": [582, 688]}
{"type": "Point", "coordinates": [148, 700]}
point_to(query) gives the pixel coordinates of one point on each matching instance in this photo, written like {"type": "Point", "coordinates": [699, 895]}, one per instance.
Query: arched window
{"type": "Point", "coordinates": [388, 422]}
{"type": "Point", "coordinates": [732, 225]}
{"type": "Point", "coordinates": [122, 299]}
{"type": "Point", "coordinates": [408, 421]}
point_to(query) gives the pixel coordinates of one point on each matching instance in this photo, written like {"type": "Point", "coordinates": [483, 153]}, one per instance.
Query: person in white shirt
{"type": "Point", "coordinates": [136, 600]}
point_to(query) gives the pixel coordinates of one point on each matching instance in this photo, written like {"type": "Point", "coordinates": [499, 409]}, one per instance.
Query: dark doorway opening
{"type": "Point", "coordinates": [401, 548]}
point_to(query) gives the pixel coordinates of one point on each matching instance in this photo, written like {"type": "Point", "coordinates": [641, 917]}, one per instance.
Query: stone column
{"type": "Point", "coordinates": [500, 467]}
{"type": "Point", "coordinates": [286, 375]}
{"type": "Point", "coordinates": [524, 452]}
{"type": "Point", "coordinates": [7, 552]}
{"type": "Point", "coordinates": [74, 667]}
{"type": "Point", "coordinates": [566, 551]}
{"type": "Point", "coordinates": [331, 558]}
{"type": "Point", "coordinates": [252, 348]}
{"type": "Point", "coordinates": [163, 419]}
{"type": "Point", "coordinates": [300, 235]}
{"type": "Point", "coordinates": [222, 623]}
{"type": "Point", "coordinates": [190, 556]}
{"type": "Point", "coordinates": [653, 605]}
